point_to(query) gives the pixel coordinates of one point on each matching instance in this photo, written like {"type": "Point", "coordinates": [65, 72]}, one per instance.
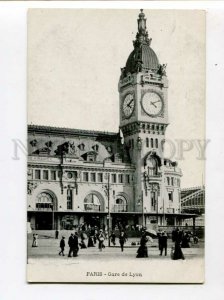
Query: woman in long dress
{"type": "Point", "coordinates": [178, 254]}
{"type": "Point", "coordinates": [143, 249]}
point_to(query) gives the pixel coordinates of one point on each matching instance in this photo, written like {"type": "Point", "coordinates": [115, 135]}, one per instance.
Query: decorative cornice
{"type": "Point", "coordinates": [144, 127]}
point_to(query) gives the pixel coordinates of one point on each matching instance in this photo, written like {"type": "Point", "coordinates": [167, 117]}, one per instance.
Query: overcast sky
{"type": "Point", "coordinates": [74, 61]}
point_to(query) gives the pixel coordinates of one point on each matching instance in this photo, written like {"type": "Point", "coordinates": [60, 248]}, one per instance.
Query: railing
{"type": "Point", "coordinates": [170, 210]}
{"type": "Point", "coordinates": [92, 207]}
{"type": "Point", "coordinates": [44, 209]}
{"type": "Point", "coordinates": [120, 208]}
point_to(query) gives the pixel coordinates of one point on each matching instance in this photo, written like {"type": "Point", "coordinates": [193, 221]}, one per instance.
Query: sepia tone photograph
{"type": "Point", "coordinates": [116, 146]}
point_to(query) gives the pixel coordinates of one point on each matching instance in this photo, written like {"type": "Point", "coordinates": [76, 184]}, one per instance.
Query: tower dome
{"type": "Point", "coordinates": [142, 58]}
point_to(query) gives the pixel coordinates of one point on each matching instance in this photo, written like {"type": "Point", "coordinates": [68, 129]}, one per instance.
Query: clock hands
{"type": "Point", "coordinates": [130, 103]}
{"type": "Point", "coordinates": [153, 103]}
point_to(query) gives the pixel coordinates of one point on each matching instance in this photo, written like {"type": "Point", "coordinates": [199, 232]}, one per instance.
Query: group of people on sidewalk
{"type": "Point", "coordinates": [89, 239]}
{"type": "Point", "coordinates": [179, 239]}
{"type": "Point", "coordinates": [74, 244]}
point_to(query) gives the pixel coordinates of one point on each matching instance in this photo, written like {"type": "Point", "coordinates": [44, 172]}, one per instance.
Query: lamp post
{"type": "Point", "coordinates": [163, 212]}
{"type": "Point", "coordinates": [52, 216]}
{"type": "Point", "coordinates": [107, 192]}
{"type": "Point", "coordinates": [141, 202]}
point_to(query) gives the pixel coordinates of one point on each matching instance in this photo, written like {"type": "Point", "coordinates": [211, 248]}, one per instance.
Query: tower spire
{"type": "Point", "coordinates": [141, 22]}
{"type": "Point", "coordinates": [142, 34]}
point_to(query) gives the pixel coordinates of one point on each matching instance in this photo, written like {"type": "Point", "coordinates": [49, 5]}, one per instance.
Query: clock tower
{"type": "Point", "coordinates": [143, 88]}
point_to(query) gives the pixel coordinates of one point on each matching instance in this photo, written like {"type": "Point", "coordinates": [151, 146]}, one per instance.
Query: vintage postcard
{"type": "Point", "coordinates": [116, 146]}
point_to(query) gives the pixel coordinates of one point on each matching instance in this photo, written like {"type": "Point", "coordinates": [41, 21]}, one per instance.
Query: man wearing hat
{"type": "Point", "coordinates": [71, 244]}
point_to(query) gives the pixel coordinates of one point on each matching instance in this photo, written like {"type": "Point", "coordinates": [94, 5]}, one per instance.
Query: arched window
{"type": "Point", "coordinates": [156, 143]}
{"type": "Point", "coordinates": [152, 166]}
{"type": "Point", "coordinates": [147, 142]}
{"type": "Point", "coordinates": [120, 204]}
{"type": "Point", "coordinates": [45, 202]}
{"type": "Point", "coordinates": [152, 143]}
{"type": "Point", "coordinates": [92, 203]}
{"type": "Point", "coordinates": [168, 180]}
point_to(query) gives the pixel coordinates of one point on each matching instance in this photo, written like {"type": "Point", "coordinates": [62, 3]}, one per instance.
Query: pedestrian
{"type": "Point", "coordinates": [113, 238]}
{"type": "Point", "coordinates": [56, 234]}
{"type": "Point", "coordinates": [75, 244]}
{"type": "Point", "coordinates": [177, 253]}
{"type": "Point", "coordinates": [95, 235]}
{"type": "Point", "coordinates": [101, 239]}
{"type": "Point", "coordinates": [143, 250]}
{"type": "Point", "coordinates": [122, 240]}
{"type": "Point", "coordinates": [91, 237]}
{"type": "Point", "coordinates": [195, 238]}
{"type": "Point", "coordinates": [62, 246]}
{"type": "Point", "coordinates": [83, 238]}
{"type": "Point", "coordinates": [90, 242]}
{"type": "Point", "coordinates": [163, 245]}
{"type": "Point", "coordinates": [71, 244]}
{"type": "Point", "coordinates": [159, 235]}
{"type": "Point", "coordinates": [174, 234]}
{"type": "Point", "coordinates": [35, 240]}
{"type": "Point", "coordinates": [185, 240]}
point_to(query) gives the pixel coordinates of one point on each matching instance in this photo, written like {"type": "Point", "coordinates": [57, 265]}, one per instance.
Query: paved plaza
{"type": "Point", "coordinates": [48, 249]}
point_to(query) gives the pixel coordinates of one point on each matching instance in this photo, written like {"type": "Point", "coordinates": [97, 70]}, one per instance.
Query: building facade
{"type": "Point", "coordinates": [110, 179]}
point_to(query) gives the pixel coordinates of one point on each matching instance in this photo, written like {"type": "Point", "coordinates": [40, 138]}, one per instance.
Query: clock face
{"type": "Point", "coordinates": [128, 105]}
{"type": "Point", "coordinates": [152, 104]}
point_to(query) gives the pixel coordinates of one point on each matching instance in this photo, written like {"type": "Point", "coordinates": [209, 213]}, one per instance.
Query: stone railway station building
{"type": "Point", "coordinates": [110, 178]}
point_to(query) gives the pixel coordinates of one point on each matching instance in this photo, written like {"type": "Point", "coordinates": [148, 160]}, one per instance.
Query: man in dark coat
{"type": "Point", "coordinates": [122, 240]}
{"type": "Point", "coordinates": [163, 243]}
{"type": "Point", "coordinates": [159, 235]}
{"type": "Point", "coordinates": [75, 245]}
{"type": "Point", "coordinates": [71, 244]}
{"type": "Point", "coordinates": [113, 238]}
{"type": "Point", "coordinates": [62, 246]}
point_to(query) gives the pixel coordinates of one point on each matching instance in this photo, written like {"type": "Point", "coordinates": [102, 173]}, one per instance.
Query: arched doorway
{"type": "Point", "coordinates": [120, 218]}
{"type": "Point", "coordinates": [120, 204]}
{"type": "Point", "coordinates": [94, 207]}
{"type": "Point", "coordinates": [46, 205]}
{"type": "Point", "coordinates": [92, 203]}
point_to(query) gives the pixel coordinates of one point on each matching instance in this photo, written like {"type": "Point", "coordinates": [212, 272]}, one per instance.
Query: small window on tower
{"type": "Point", "coordinates": [156, 143]}
{"type": "Point", "coordinates": [147, 142]}
{"type": "Point", "coordinates": [152, 143]}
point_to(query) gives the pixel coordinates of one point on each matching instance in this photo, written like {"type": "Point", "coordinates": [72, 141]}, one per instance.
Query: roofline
{"type": "Point", "coordinates": [39, 129]}
{"type": "Point", "coordinates": [202, 187]}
